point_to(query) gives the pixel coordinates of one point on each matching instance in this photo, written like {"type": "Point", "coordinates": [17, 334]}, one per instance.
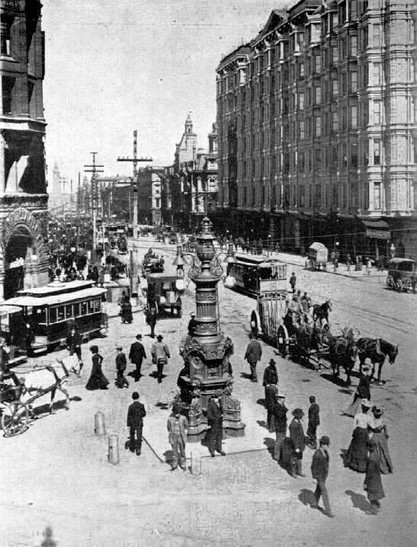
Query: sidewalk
{"type": "Point", "coordinates": [297, 260]}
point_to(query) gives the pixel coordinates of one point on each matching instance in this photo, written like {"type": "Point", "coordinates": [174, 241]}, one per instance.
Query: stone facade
{"type": "Point", "coordinates": [317, 127]}
{"type": "Point", "coordinates": [190, 189]}
{"type": "Point", "coordinates": [23, 188]}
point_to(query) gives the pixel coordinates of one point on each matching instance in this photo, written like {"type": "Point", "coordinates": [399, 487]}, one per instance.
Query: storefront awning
{"type": "Point", "coordinates": [376, 224]}
{"type": "Point", "coordinates": [377, 229]}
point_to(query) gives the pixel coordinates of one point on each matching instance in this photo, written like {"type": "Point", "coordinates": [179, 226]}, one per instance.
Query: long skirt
{"type": "Point", "coordinates": [97, 379]}
{"type": "Point", "coordinates": [353, 408]}
{"type": "Point", "coordinates": [382, 448]}
{"type": "Point", "coordinates": [357, 452]}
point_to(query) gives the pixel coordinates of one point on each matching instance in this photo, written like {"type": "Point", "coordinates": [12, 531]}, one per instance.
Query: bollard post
{"type": "Point", "coordinates": [113, 449]}
{"type": "Point", "coordinates": [99, 424]}
{"type": "Point", "coordinates": [195, 464]}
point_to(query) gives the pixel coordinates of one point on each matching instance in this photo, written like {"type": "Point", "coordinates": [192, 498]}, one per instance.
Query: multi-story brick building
{"type": "Point", "coordinates": [23, 189]}
{"type": "Point", "coordinates": [317, 127]}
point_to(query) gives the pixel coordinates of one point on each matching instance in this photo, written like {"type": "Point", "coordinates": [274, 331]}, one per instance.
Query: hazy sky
{"type": "Point", "coordinates": [115, 66]}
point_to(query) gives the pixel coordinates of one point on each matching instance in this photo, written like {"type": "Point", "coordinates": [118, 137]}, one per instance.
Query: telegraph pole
{"type": "Point", "coordinates": [135, 160]}
{"type": "Point", "coordinates": [94, 169]}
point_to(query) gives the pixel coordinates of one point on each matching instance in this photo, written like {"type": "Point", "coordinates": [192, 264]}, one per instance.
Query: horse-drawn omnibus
{"type": "Point", "coordinates": [49, 311]}
{"type": "Point", "coordinates": [257, 275]}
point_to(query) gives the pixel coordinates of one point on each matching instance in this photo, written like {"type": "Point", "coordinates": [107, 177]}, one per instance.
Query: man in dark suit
{"type": "Point", "coordinates": [313, 421]}
{"type": "Point", "coordinates": [215, 421]}
{"type": "Point", "coordinates": [121, 365]}
{"type": "Point", "coordinates": [298, 438]}
{"type": "Point", "coordinates": [319, 471]}
{"type": "Point", "coordinates": [135, 415]}
{"type": "Point", "coordinates": [136, 355]}
{"type": "Point", "coordinates": [279, 414]}
{"type": "Point", "coordinates": [192, 324]}
{"type": "Point", "coordinates": [253, 355]}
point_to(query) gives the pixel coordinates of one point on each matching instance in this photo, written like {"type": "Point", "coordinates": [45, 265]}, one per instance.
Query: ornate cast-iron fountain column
{"type": "Point", "coordinates": [206, 352]}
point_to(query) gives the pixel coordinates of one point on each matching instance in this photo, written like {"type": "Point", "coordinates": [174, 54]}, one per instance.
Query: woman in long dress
{"type": "Point", "coordinates": [373, 482]}
{"type": "Point", "coordinates": [379, 433]}
{"type": "Point", "coordinates": [97, 379]}
{"type": "Point", "coordinates": [356, 455]}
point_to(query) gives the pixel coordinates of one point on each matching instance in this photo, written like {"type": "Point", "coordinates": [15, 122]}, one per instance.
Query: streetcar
{"type": "Point", "coordinates": [257, 275]}
{"type": "Point", "coordinates": [49, 311]}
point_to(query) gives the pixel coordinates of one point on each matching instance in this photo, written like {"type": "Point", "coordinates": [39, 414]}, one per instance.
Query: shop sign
{"type": "Point", "coordinates": [378, 234]}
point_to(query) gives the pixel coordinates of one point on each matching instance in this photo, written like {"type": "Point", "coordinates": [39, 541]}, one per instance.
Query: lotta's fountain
{"type": "Point", "coordinates": [206, 352]}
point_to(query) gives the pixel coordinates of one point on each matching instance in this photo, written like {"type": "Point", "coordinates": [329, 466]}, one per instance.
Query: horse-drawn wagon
{"type": "Point", "coordinates": [294, 327]}
{"type": "Point", "coordinates": [317, 257]}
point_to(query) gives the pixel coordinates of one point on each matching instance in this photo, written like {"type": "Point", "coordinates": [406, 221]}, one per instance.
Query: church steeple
{"type": "Point", "coordinates": [188, 124]}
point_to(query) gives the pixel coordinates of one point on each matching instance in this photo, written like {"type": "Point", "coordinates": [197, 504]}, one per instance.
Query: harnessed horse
{"type": "Point", "coordinates": [343, 353]}
{"type": "Point", "coordinates": [376, 349]}
{"type": "Point", "coordinates": [321, 311]}
{"type": "Point", "coordinates": [39, 382]}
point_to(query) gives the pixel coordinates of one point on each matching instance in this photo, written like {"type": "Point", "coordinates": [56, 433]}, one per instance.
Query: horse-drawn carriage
{"type": "Point", "coordinates": [152, 263]}
{"type": "Point", "coordinates": [295, 327]}
{"type": "Point", "coordinates": [19, 390]}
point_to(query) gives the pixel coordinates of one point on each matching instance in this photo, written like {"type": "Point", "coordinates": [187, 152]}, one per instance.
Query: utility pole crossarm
{"type": "Point", "coordinates": [135, 160]}
{"type": "Point", "coordinates": [94, 169]}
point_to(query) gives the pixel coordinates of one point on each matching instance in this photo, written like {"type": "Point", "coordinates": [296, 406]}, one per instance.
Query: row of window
{"type": "Point", "coordinates": [342, 156]}
{"type": "Point", "coordinates": [56, 314]}
{"type": "Point", "coordinates": [311, 195]}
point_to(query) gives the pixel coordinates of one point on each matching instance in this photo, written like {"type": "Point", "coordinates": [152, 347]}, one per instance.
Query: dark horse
{"type": "Point", "coordinates": [321, 311]}
{"type": "Point", "coordinates": [376, 349]}
{"type": "Point", "coordinates": [342, 353]}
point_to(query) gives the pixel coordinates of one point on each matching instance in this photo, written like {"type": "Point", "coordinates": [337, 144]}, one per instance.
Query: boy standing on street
{"type": "Point", "coordinates": [177, 426]}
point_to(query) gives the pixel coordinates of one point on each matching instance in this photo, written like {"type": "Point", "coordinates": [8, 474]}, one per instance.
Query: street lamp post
{"type": "Point", "coordinates": [207, 351]}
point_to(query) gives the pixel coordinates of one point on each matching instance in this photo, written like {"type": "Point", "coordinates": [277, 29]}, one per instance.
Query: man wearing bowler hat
{"type": "Point", "coordinates": [137, 354]}
{"type": "Point", "coordinates": [160, 356]}
{"type": "Point", "coordinates": [319, 472]}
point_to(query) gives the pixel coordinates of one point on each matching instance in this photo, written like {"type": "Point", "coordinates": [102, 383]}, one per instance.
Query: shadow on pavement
{"type": "Point", "coordinates": [359, 501]}
{"type": "Point", "coordinates": [246, 376]}
{"type": "Point", "coordinates": [169, 456]}
{"type": "Point", "coordinates": [336, 380]}
{"type": "Point", "coordinates": [270, 444]}
{"type": "Point", "coordinates": [307, 497]}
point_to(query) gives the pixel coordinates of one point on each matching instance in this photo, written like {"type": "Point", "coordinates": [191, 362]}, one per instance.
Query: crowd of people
{"type": "Point", "coordinates": [367, 453]}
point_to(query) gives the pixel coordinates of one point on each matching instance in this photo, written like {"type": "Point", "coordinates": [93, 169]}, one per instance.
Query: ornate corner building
{"type": "Point", "coordinates": [317, 127]}
{"type": "Point", "coordinates": [190, 187]}
{"type": "Point", "coordinates": [23, 189]}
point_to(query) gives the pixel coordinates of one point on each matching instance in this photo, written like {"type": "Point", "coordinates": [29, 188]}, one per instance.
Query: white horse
{"type": "Point", "coordinates": [46, 379]}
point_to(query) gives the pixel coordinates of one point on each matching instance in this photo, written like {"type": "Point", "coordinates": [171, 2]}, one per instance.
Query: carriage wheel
{"type": "Point", "coordinates": [399, 286]}
{"type": "Point", "coordinates": [283, 340]}
{"type": "Point", "coordinates": [15, 419]}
